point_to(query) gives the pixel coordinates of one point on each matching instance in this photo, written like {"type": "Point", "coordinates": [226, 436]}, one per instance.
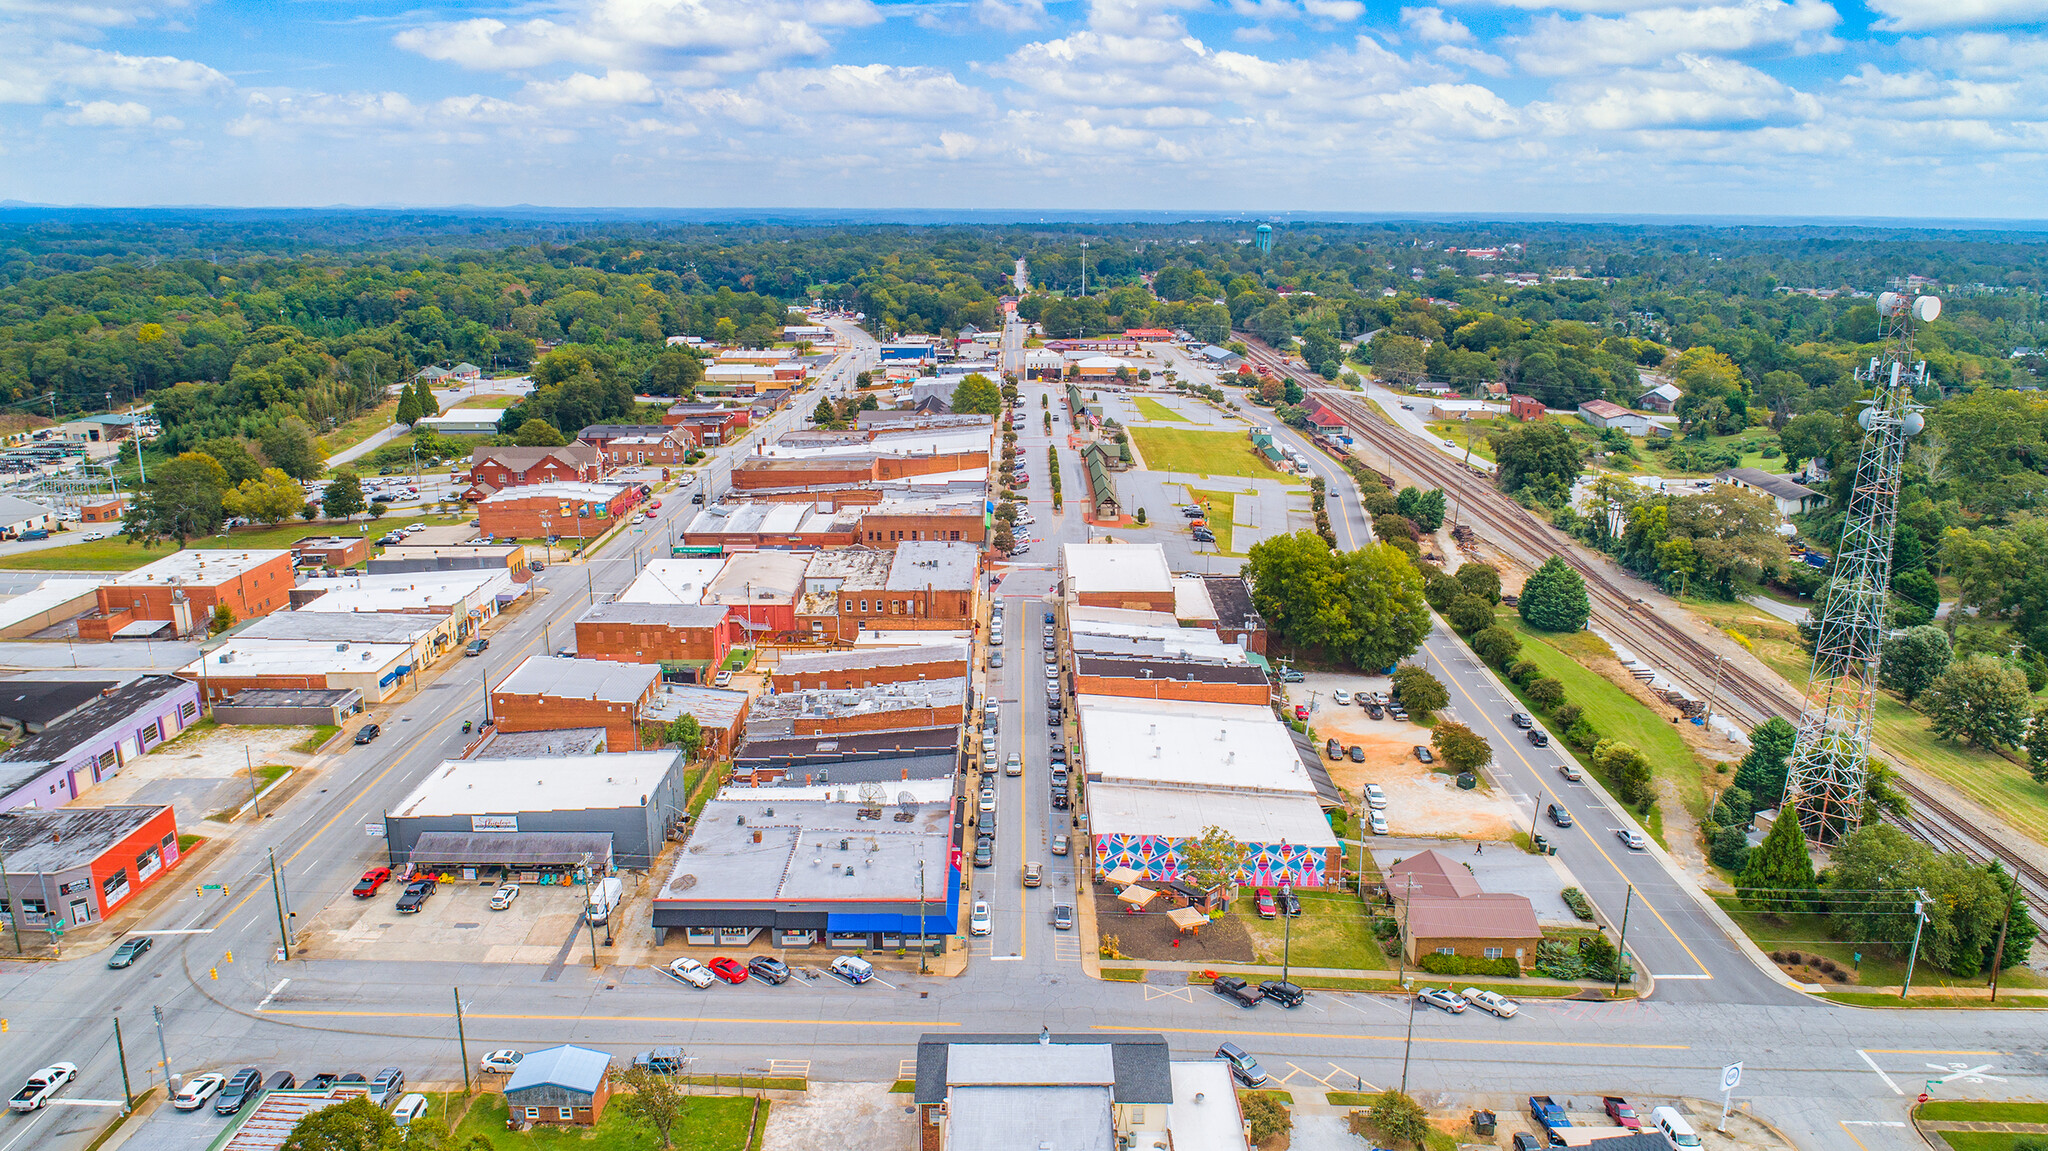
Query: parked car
{"type": "Point", "coordinates": [1281, 992]}
{"type": "Point", "coordinates": [1537, 736]}
{"type": "Point", "coordinates": [1290, 904]}
{"type": "Point", "coordinates": [995, 659]}
{"type": "Point", "coordinates": [367, 732]}
{"type": "Point", "coordinates": [386, 1085]}
{"type": "Point", "coordinates": [1442, 997]}
{"type": "Point", "coordinates": [281, 1081]}
{"type": "Point", "coordinates": [1527, 1142]}
{"type": "Point", "coordinates": [1633, 839]}
{"type": "Point", "coordinates": [43, 1086]}
{"type": "Point", "coordinates": [1237, 990]}
{"type": "Point", "coordinates": [852, 968]}
{"type": "Point", "coordinates": [1570, 771]}
{"type": "Point", "coordinates": [1289, 675]}
{"type": "Point", "coordinates": [691, 972]}
{"type": "Point", "coordinates": [1374, 797]}
{"type": "Point", "coordinates": [415, 896]}
{"type": "Point", "coordinates": [978, 920]}
{"type": "Point", "coordinates": [984, 852]}
{"type": "Point", "coordinates": [502, 1062]}
{"type": "Point", "coordinates": [409, 1108]}
{"type": "Point", "coordinates": [1559, 816]}
{"type": "Point", "coordinates": [1618, 1109]}
{"type": "Point", "coordinates": [1341, 698]}
{"type": "Point", "coordinates": [324, 1080]}
{"type": "Point", "coordinates": [1263, 899]}
{"type": "Point", "coordinates": [1059, 845]}
{"type": "Point", "coordinates": [1377, 820]}
{"type": "Point", "coordinates": [769, 969]}
{"type": "Point", "coordinates": [236, 1093]}
{"type": "Point", "coordinates": [1062, 917]}
{"type": "Point", "coordinates": [1490, 1001]}
{"type": "Point", "coordinates": [722, 679]}
{"type": "Point", "coordinates": [1333, 749]}
{"type": "Point", "coordinates": [503, 897]}
{"type": "Point", "coordinates": [371, 880]}
{"type": "Point", "coordinates": [1357, 753]}
{"type": "Point", "coordinates": [131, 949]}
{"type": "Point", "coordinates": [730, 970]}
{"type": "Point", "coordinates": [1422, 753]}
{"type": "Point", "coordinates": [476, 647]}
{"type": "Point", "coordinates": [198, 1090]}
{"type": "Point", "coordinates": [1521, 720]}
{"type": "Point", "coordinates": [988, 800]}
{"type": "Point", "coordinates": [1243, 1067]}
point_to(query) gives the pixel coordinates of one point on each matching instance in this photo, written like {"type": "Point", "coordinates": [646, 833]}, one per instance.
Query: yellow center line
{"type": "Point", "coordinates": [1544, 784]}
{"type": "Point", "coordinates": [471, 1015]}
{"type": "Point", "coordinates": [1348, 1037]}
{"type": "Point", "coordinates": [1851, 1134]}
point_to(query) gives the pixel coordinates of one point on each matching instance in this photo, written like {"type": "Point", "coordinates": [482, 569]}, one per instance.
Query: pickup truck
{"type": "Point", "coordinates": [1231, 987]}
{"type": "Point", "coordinates": [1547, 1113]}
{"type": "Point", "coordinates": [43, 1086]}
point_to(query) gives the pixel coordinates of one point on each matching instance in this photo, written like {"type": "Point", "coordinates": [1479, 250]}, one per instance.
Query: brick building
{"type": "Point", "coordinates": [720, 714]}
{"type": "Point", "coordinates": [103, 511]}
{"type": "Point", "coordinates": [839, 711]}
{"type": "Point", "coordinates": [544, 693]}
{"type": "Point", "coordinates": [333, 551]}
{"type": "Point", "coordinates": [679, 637]}
{"type": "Point", "coordinates": [496, 469]}
{"type": "Point", "coordinates": [921, 585]}
{"type": "Point", "coordinates": [179, 592]}
{"type": "Point", "coordinates": [1446, 913]}
{"type": "Point", "coordinates": [1170, 679]}
{"type": "Point", "coordinates": [567, 510]}
{"type": "Point", "coordinates": [1237, 621]}
{"type": "Point", "coordinates": [868, 666]}
{"type": "Point", "coordinates": [1525, 408]}
{"type": "Point", "coordinates": [1131, 576]}
{"type": "Point", "coordinates": [629, 445]}
{"type": "Point", "coordinates": [78, 865]}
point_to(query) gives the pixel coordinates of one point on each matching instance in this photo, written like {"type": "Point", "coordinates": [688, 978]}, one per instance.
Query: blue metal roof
{"type": "Point", "coordinates": [568, 1066]}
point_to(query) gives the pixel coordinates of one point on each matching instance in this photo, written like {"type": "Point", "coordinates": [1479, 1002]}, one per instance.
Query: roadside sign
{"type": "Point", "coordinates": [1731, 1077]}
{"type": "Point", "coordinates": [374, 830]}
{"type": "Point", "coordinates": [209, 887]}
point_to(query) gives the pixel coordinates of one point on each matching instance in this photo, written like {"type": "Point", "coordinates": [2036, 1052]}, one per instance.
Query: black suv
{"type": "Point", "coordinates": [368, 732]}
{"type": "Point", "coordinates": [768, 968]}
{"type": "Point", "coordinates": [236, 1094]}
{"type": "Point", "coordinates": [1559, 816]}
{"type": "Point", "coordinates": [1231, 987]}
{"type": "Point", "coordinates": [415, 896]}
{"type": "Point", "coordinates": [1283, 993]}
{"type": "Point", "coordinates": [1539, 738]}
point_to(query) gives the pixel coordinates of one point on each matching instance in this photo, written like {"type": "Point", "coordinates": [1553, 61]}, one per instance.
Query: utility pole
{"type": "Point", "coordinates": [924, 935]}
{"type": "Point", "coordinates": [127, 1087]}
{"type": "Point", "coordinates": [1287, 942]}
{"type": "Point", "coordinates": [462, 1042]}
{"type": "Point", "coordinates": [1408, 1045]}
{"type": "Point", "coordinates": [1621, 942]}
{"type": "Point", "coordinates": [170, 1080]}
{"type": "Point", "coordinates": [284, 935]}
{"type": "Point", "coordinates": [1998, 953]}
{"type": "Point", "coordinates": [255, 796]}
{"type": "Point", "coordinates": [586, 911]}
{"type": "Point", "coordinates": [1402, 978]}
{"type": "Point", "coordinates": [13, 904]}
{"type": "Point", "coordinates": [1919, 921]}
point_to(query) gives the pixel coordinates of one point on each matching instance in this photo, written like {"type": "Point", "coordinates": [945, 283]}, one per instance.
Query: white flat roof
{"type": "Point", "coordinates": [296, 657]}
{"type": "Point", "coordinates": [939, 791]}
{"type": "Point", "coordinates": [1080, 616]}
{"type": "Point", "coordinates": [1174, 811]}
{"type": "Point", "coordinates": [507, 786]}
{"type": "Point", "coordinates": [1212, 745]}
{"type": "Point", "coordinates": [930, 441]}
{"type": "Point", "coordinates": [1191, 599]}
{"type": "Point", "coordinates": [672, 581]}
{"type": "Point", "coordinates": [46, 596]}
{"type": "Point", "coordinates": [558, 489]}
{"type": "Point", "coordinates": [1184, 642]}
{"type": "Point", "coordinates": [409, 591]}
{"type": "Point", "coordinates": [204, 566]}
{"type": "Point", "coordinates": [1212, 1124]}
{"type": "Point", "coordinates": [1116, 567]}
{"type": "Point", "coordinates": [908, 638]}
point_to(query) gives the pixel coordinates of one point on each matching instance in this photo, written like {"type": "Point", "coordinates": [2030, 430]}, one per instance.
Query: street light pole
{"type": "Point", "coordinates": [170, 1080]}
{"type": "Point", "coordinates": [586, 911]}
{"type": "Point", "coordinates": [924, 937]}
{"type": "Point", "coordinates": [1621, 942]}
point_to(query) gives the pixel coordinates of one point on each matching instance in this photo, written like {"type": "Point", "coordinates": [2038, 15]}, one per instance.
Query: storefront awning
{"type": "Point", "coordinates": [510, 849]}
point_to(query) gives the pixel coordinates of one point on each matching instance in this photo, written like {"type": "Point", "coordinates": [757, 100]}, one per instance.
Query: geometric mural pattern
{"type": "Point", "coordinates": [1266, 864]}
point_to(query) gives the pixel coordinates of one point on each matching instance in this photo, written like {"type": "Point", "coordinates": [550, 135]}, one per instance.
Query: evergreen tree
{"type": "Point", "coordinates": [1913, 659]}
{"type": "Point", "coordinates": [1763, 770]}
{"type": "Point", "coordinates": [1554, 598]}
{"type": "Point", "coordinates": [1730, 848]}
{"type": "Point", "coordinates": [424, 396]}
{"type": "Point", "coordinates": [2037, 745]}
{"type": "Point", "coordinates": [408, 405]}
{"type": "Point", "coordinates": [1781, 864]}
{"type": "Point", "coordinates": [1482, 580]}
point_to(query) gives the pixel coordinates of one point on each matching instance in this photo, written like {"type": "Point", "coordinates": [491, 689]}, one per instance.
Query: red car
{"type": "Point", "coordinates": [1623, 1114]}
{"type": "Point", "coordinates": [1267, 908]}
{"type": "Point", "coordinates": [655, 506]}
{"type": "Point", "coordinates": [730, 970]}
{"type": "Point", "coordinates": [1301, 711]}
{"type": "Point", "coordinates": [371, 881]}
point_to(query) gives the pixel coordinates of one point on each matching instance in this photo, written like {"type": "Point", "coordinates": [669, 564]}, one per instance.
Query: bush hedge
{"type": "Point", "coordinates": [1467, 965]}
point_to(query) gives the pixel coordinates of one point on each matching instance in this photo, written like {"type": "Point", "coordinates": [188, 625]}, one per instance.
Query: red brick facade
{"type": "Point", "coordinates": [620, 721]}
{"type": "Point", "coordinates": [500, 468]}
{"type": "Point", "coordinates": [871, 676]}
{"type": "Point", "coordinates": [656, 643]}
{"type": "Point", "coordinates": [511, 516]}
{"type": "Point", "coordinates": [258, 591]}
{"type": "Point", "coordinates": [1162, 687]}
{"type": "Point", "coordinates": [103, 512]}
{"type": "Point", "coordinates": [1525, 407]}
{"type": "Point", "coordinates": [892, 610]}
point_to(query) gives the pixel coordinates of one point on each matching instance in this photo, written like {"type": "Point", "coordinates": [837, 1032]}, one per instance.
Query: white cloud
{"type": "Point", "coordinates": [1916, 15]}
{"type": "Point", "coordinates": [107, 114]}
{"type": "Point", "coordinates": [616, 86]}
{"type": "Point", "coordinates": [1009, 15]}
{"type": "Point", "coordinates": [356, 113]}
{"type": "Point", "coordinates": [1484, 63]}
{"type": "Point", "coordinates": [40, 76]}
{"type": "Point", "coordinates": [717, 35]}
{"type": "Point", "coordinates": [1697, 92]}
{"type": "Point", "coordinates": [1983, 53]}
{"type": "Point", "coordinates": [1139, 17]}
{"type": "Point", "coordinates": [1557, 46]}
{"type": "Point", "coordinates": [1432, 25]}
{"type": "Point", "coordinates": [878, 91]}
{"type": "Point", "coordinates": [1924, 96]}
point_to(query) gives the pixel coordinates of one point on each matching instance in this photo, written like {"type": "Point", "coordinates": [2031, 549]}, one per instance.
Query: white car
{"type": "Point", "coordinates": [1634, 839]}
{"type": "Point", "coordinates": [639, 519]}
{"type": "Point", "coordinates": [1499, 1005]}
{"type": "Point", "coordinates": [198, 1090]}
{"type": "Point", "coordinates": [988, 799]}
{"type": "Point", "coordinates": [95, 536]}
{"type": "Point", "coordinates": [1374, 797]}
{"type": "Point", "coordinates": [501, 1062]}
{"type": "Point", "coordinates": [503, 897]}
{"type": "Point", "coordinates": [1341, 698]}
{"type": "Point", "coordinates": [43, 1086]}
{"type": "Point", "coordinates": [1014, 765]}
{"type": "Point", "coordinates": [978, 920]}
{"type": "Point", "coordinates": [1377, 820]}
{"type": "Point", "coordinates": [691, 972]}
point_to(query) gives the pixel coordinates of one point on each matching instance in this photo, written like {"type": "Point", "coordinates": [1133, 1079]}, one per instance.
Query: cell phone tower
{"type": "Point", "coordinates": [1827, 774]}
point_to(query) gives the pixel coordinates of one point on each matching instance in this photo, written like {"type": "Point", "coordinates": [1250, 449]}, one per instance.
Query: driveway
{"type": "Point", "coordinates": [845, 1116]}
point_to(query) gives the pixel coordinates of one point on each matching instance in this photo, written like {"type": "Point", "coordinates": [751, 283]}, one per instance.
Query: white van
{"type": "Point", "coordinates": [604, 899]}
{"type": "Point", "coordinates": [1677, 1131]}
{"type": "Point", "coordinates": [409, 1108]}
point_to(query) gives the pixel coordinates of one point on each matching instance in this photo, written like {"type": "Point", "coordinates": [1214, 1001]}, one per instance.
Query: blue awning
{"type": "Point", "coordinates": [936, 922]}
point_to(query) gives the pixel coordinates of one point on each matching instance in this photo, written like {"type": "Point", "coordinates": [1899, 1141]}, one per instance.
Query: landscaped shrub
{"type": "Point", "coordinates": [1577, 901]}
{"type": "Point", "coordinates": [1565, 714]}
{"type": "Point", "coordinates": [1582, 735]}
{"type": "Point", "coordinates": [1469, 965]}
{"type": "Point", "coordinates": [1545, 692]}
{"type": "Point", "coordinates": [1524, 671]}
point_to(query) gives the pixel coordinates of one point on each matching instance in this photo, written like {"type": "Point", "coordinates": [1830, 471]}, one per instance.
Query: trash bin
{"type": "Point", "coordinates": [1541, 844]}
{"type": "Point", "coordinates": [1467, 781]}
{"type": "Point", "coordinates": [1483, 1122]}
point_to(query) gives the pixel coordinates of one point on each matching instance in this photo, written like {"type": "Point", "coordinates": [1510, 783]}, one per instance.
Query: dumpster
{"type": "Point", "coordinates": [1483, 1122]}
{"type": "Point", "coordinates": [1467, 781]}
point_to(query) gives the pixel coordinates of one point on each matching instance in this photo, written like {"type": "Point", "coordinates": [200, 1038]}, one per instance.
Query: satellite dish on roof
{"type": "Point", "coordinates": [906, 801]}
{"type": "Point", "coordinates": [873, 794]}
{"type": "Point", "coordinates": [1926, 308]}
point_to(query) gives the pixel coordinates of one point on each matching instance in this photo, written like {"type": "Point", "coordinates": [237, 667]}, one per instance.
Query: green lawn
{"type": "Point", "coordinates": [712, 1123]}
{"type": "Point", "coordinates": [1201, 453]}
{"type": "Point", "coordinates": [1222, 515]}
{"type": "Point", "coordinates": [1330, 932]}
{"type": "Point", "coordinates": [1152, 409]}
{"type": "Point", "coordinates": [1970, 1111]}
{"type": "Point", "coordinates": [359, 429]}
{"type": "Point", "coordinates": [484, 402]}
{"type": "Point", "coordinates": [1883, 965]}
{"type": "Point", "coordinates": [1992, 780]}
{"type": "Point", "coordinates": [1978, 1140]}
{"type": "Point", "coordinates": [1617, 714]}
{"type": "Point", "coordinates": [1457, 430]}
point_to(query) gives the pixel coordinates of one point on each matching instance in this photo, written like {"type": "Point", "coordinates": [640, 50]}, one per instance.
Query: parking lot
{"type": "Point", "coordinates": [456, 921]}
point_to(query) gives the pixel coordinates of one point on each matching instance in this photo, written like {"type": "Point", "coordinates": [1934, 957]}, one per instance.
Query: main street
{"type": "Point", "coordinates": [1828, 1076]}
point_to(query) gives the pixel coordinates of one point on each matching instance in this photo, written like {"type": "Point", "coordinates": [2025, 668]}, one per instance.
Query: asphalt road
{"type": "Point", "coordinates": [1829, 1077]}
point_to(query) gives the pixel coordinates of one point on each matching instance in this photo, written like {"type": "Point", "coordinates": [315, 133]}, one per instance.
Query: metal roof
{"type": "Point", "coordinates": [1432, 873]}
{"type": "Point", "coordinates": [37, 841]}
{"type": "Point", "coordinates": [1140, 1065]}
{"type": "Point", "coordinates": [568, 1066]}
{"type": "Point", "coordinates": [594, 679]}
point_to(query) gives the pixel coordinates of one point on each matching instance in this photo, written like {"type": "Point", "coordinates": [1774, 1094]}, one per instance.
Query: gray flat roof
{"type": "Point", "coordinates": [1141, 1063]}
{"type": "Point", "coordinates": [922, 564]}
{"type": "Point", "coordinates": [295, 697]}
{"type": "Point", "coordinates": [837, 702]}
{"type": "Point", "coordinates": [740, 851]}
{"type": "Point", "coordinates": [39, 841]}
{"type": "Point", "coordinates": [341, 627]}
{"type": "Point", "coordinates": [713, 706]}
{"type": "Point", "coordinates": [595, 679]}
{"type": "Point", "coordinates": [39, 702]}
{"type": "Point", "coordinates": [656, 614]}
{"type": "Point", "coordinates": [1070, 1118]}
{"type": "Point", "coordinates": [860, 659]}
{"type": "Point", "coordinates": [557, 743]}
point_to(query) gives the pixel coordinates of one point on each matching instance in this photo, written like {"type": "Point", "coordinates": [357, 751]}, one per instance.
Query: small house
{"type": "Point", "coordinates": [1790, 496]}
{"type": "Point", "coordinates": [1608, 414]}
{"type": "Point", "coordinates": [563, 1085]}
{"type": "Point", "coordinates": [1524, 408]}
{"type": "Point", "coordinates": [1660, 399]}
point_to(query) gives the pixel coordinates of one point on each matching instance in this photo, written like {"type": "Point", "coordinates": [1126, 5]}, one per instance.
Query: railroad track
{"type": "Point", "coordinates": [1715, 676]}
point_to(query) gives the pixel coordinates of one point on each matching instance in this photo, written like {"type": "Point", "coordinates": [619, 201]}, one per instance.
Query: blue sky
{"type": "Point", "coordinates": [1916, 108]}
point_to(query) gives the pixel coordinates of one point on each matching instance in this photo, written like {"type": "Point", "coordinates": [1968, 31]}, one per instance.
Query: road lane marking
{"type": "Point", "coordinates": [623, 1018]}
{"type": "Point", "coordinates": [1670, 977]}
{"type": "Point", "coordinates": [175, 931]}
{"type": "Point", "coordinates": [273, 994]}
{"type": "Point", "coordinates": [1851, 1134]}
{"type": "Point", "coordinates": [1387, 1038]}
{"type": "Point", "coordinates": [1911, 1051]}
{"type": "Point", "coordinates": [1184, 994]}
{"type": "Point", "coordinates": [1880, 1073]}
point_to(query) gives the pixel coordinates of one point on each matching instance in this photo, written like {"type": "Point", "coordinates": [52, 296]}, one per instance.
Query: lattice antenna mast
{"type": "Point", "coordinates": [1827, 774]}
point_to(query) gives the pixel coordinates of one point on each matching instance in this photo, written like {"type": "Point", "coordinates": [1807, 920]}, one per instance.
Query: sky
{"type": "Point", "coordinates": [1895, 108]}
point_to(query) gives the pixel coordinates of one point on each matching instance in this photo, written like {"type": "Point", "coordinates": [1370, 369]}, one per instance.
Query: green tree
{"type": "Point", "coordinates": [1626, 768]}
{"type": "Point", "coordinates": [357, 1125]}
{"type": "Point", "coordinates": [183, 500]}
{"type": "Point", "coordinates": [1469, 614]}
{"type": "Point", "coordinates": [1397, 358]}
{"type": "Point", "coordinates": [1399, 1117]}
{"type": "Point", "coordinates": [1537, 457]}
{"type": "Point", "coordinates": [539, 434]}
{"type": "Point", "coordinates": [1297, 587]}
{"type": "Point", "coordinates": [654, 1100]}
{"type": "Point", "coordinates": [1419, 692]}
{"type": "Point", "coordinates": [1762, 772]}
{"type": "Point", "coordinates": [1267, 1117]}
{"type": "Point", "coordinates": [233, 457]}
{"type": "Point", "coordinates": [1005, 540]}
{"type": "Point", "coordinates": [273, 498]}
{"type": "Point", "coordinates": [408, 406]}
{"type": "Point", "coordinates": [825, 415]}
{"type": "Point", "coordinates": [1730, 848]}
{"type": "Point", "coordinates": [1554, 598]}
{"type": "Point", "coordinates": [1212, 859]}
{"type": "Point", "coordinates": [1546, 693]}
{"type": "Point", "coordinates": [1440, 589]}
{"type": "Point", "coordinates": [1980, 700]}
{"type": "Point", "coordinates": [676, 372]}
{"type": "Point", "coordinates": [1429, 510]}
{"type": "Point", "coordinates": [1480, 579]}
{"type": "Point", "coordinates": [344, 495]}
{"type": "Point", "coordinates": [424, 396]}
{"type": "Point", "coordinates": [976, 395]}
{"type": "Point", "coordinates": [1460, 746]}
{"type": "Point", "coordinates": [290, 447]}
{"type": "Point", "coordinates": [685, 732]}
{"type": "Point", "coordinates": [1386, 616]}
{"type": "Point", "coordinates": [1913, 659]}
{"type": "Point", "coordinates": [2037, 745]}
{"type": "Point", "coordinates": [1496, 645]}
{"type": "Point", "coordinates": [223, 619]}
{"type": "Point", "coordinates": [1778, 866]}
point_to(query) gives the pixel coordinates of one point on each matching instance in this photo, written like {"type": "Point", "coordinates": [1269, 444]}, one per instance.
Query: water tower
{"type": "Point", "coordinates": [1265, 240]}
